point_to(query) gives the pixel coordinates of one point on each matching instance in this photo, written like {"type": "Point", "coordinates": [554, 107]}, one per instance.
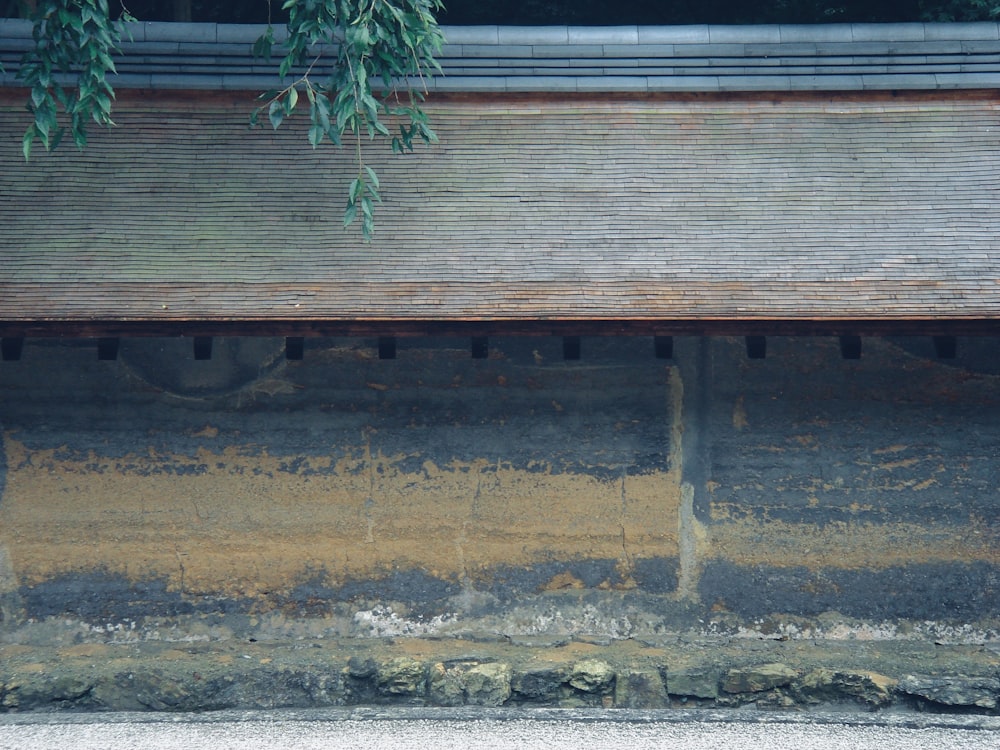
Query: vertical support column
{"type": "Point", "coordinates": [691, 383]}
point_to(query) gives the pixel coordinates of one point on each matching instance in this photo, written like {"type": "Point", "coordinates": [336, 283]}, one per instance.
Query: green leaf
{"type": "Point", "coordinates": [57, 138]}
{"type": "Point", "coordinates": [316, 133]}
{"type": "Point", "coordinates": [291, 100]}
{"type": "Point", "coordinates": [357, 189]}
{"type": "Point", "coordinates": [276, 113]}
{"type": "Point", "coordinates": [323, 112]}
{"type": "Point", "coordinates": [350, 213]}
{"type": "Point", "coordinates": [26, 141]}
{"type": "Point", "coordinates": [43, 121]}
{"type": "Point", "coordinates": [263, 45]}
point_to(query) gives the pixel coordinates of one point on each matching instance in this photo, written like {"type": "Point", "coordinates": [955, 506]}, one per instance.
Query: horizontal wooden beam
{"type": "Point", "coordinates": [487, 328]}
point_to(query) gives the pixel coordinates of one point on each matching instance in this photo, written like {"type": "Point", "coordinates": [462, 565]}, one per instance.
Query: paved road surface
{"type": "Point", "coordinates": [553, 730]}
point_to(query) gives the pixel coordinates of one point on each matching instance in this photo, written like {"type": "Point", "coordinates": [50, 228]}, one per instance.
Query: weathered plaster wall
{"type": "Point", "coordinates": [864, 486]}
{"type": "Point", "coordinates": [412, 481]}
{"type": "Point", "coordinates": [522, 493]}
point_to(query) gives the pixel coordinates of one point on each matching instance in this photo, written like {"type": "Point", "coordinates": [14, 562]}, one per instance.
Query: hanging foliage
{"type": "Point", "coordinates": [67, 69]}
{"type": "Point", "coordinates": [376, 56]}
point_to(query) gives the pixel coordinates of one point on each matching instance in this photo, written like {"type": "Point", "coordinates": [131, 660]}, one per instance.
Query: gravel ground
{"type": "Point", "coordinates": [402, 728]}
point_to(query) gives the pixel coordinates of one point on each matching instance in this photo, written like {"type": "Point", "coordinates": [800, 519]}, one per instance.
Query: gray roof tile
{"type": "Point", "coordinates": [968, 80]}
{"type": "Point", "coordinates": [242, 33]}
{"type": "Point", "coordinates": [832, 32]}
{"type": "Point", "coordinates": [911, 80]}
{"type": "Point", "coordinates": [610, 81]}
{"type": "Point", "coordinates": [894, 32]}
{"type": "Point", "coordinates": [533, 35]}
{"type": "Point", "coordinates": [769, 34]}
{"type": "Point", "coordinates": [155, 31]}
{"type": "Point", "coordinates": [693, 34]}
{"type": "Point", "coordinates": [472, 35]}
{"type": "Point", "coordinates": [207, 56]}
{"type": "Point", "coordinates": [961, 31]}
{"type": "Point", "coordinates": [602, 35]}
{"type": "Point", "coordinates": [756, 83]}
{"type": "Point", "coordinates": [683, 83]}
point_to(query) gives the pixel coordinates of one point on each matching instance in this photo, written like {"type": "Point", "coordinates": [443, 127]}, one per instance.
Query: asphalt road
{"type": "Point", "coordinates": [553, 730]}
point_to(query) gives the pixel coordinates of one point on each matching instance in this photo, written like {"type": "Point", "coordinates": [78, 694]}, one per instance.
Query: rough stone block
{"type": "Point", "coordinates": [488, 684]}
{"type": "Point", "coordinates": [826, 685]}
{"type": "Point", "coordinates": [593, 676]}
{"type": "Point", "coordinates": [970, 692]}
{"type": "Point", "coordinates": [444, 686]}
{"type": "Point", "coordinates": [693, 683]}
{"type": "Point", "coordinates": [401, 676]}
{"type": "Point", "coordinates": [539, 686]}
{"type": "Point", "coordinates": [640, 689]}
{"type": "Point", "coordinates": [758, 678]}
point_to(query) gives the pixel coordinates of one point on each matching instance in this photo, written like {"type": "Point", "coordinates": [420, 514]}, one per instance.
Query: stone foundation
{"type": "Point", "coordinates": [679, 672]}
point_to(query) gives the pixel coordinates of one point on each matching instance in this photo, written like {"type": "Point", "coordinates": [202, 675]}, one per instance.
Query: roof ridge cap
{"type": "Point", "coordinates": [210, 32]}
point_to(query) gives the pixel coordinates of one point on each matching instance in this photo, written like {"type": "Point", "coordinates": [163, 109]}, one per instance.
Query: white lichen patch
{"type": "Point", "coordinates": [383, 622]}
{"type": "Point", "coordinates": [587, 620]}
{"type": "Point", "coordinates": [851, 630]}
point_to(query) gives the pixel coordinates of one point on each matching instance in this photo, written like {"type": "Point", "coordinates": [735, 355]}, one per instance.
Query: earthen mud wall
{"type": "Point", "coordinates": [523, 494]}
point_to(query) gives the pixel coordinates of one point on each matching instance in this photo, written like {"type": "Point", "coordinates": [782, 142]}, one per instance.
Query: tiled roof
{"type": "Point", "coordinates": [674, 207]}
{"type": "Point", "coordinates": [840, 57]}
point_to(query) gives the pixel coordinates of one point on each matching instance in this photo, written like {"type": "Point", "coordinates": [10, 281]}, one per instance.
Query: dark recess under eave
{"type": "Point", "coordinates": [526, 327]}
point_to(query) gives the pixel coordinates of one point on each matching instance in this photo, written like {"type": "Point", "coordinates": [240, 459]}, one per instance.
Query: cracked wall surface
{"type": "Point", "coordinates": [520, 493]}
{"type": "Point", "coordinates": [864, 486]}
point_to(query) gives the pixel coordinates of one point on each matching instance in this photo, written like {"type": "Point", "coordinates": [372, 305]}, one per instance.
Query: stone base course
{"type": "Point", "coordinates": [677, 672]}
